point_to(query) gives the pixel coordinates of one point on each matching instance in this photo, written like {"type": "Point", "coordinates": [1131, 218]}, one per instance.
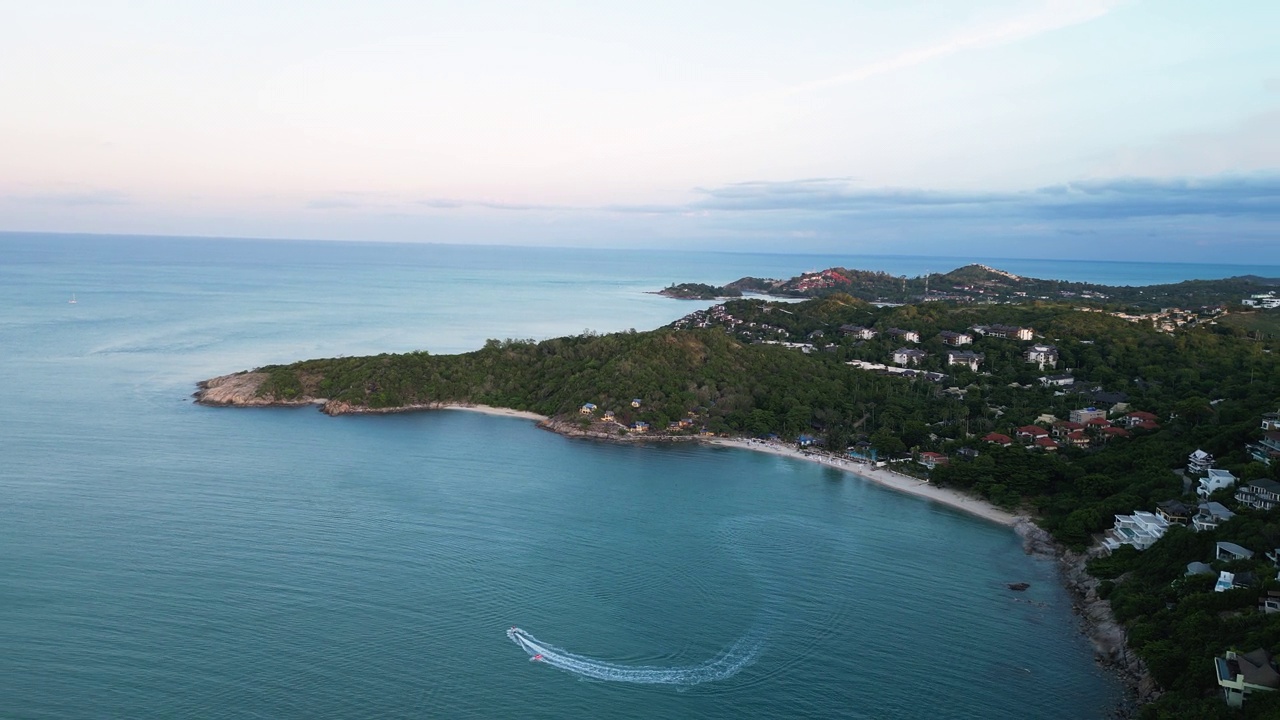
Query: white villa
{"type": "Point", "coordinates": [1141, 530]}
{"type": "Point", "coordinates": [1240, 674]}
{"type": "Point", "coordinates": [1215, 480]}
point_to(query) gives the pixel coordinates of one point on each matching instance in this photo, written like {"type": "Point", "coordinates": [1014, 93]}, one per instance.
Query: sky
{"type": "Point", "coordinates": [1104, 129]}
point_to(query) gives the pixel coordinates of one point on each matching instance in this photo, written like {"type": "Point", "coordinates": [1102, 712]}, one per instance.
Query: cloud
{"type": "Point", "coordinates": [1052, 15]}
{"type": "Point", "coordinates": [68, 198]}
{"type": "Point", "coordinates": [391, 203]}
{"type": "Point", "coordinates": [1255, 195]}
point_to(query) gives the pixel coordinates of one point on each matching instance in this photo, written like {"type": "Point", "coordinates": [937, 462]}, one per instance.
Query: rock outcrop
{"type": "Point", "coordinates": [241, 390]}
{"type": "Point", "coordinates": [1110, 642]}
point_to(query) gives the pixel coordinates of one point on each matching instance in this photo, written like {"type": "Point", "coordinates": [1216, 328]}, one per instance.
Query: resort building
{"type": "Point", "coordinates": [1260, 495]}
{"type": "Point", "coordinates": [1029, 433]}
{"type": "Point", "coordinates": [857, 332]}
{"type": "Point", "coordinates": [1141, 530]}
{"type": "Point", "coordinates": [1267, 449]}
{"type": "Point", "coordinates": [910, 336]}
{"type": "Point", "coordinates": [1064, 380]}
{"type": "Point", "coordinates": [639, 426]}
{"type": "Point", "coordinates": [1008, 332]}
{"type": "Point", "coordinates": [955, 339]}
{"type": "Point", "coordinates": [932, 459]}
{"type": "Point", "coordinates": [1042, 355]}
{"type": "Point", "coordinates": [1084, 415]}
{"type": "Point", "coordinates": [969, 359]}
{"type": "Point", "coordinates": [587, 409]}
{"type": "Point", "coordinates": [998, 439]}
{"type": "Point", "coordinates": [1215, 480]}
{"type": "Point", "coordinates": [1139, 418]}
{"type": "Point", "coordinates": [908, 356]}
{"type": "Point", "coordinates": [1240, 674]}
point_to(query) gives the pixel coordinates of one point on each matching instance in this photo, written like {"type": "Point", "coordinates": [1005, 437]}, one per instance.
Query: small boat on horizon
{"type": "Point", "coordinates": [72, 301]}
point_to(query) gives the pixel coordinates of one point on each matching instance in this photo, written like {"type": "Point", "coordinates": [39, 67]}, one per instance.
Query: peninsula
{"type": "Point", "coordinates": [982, 284]}
{"type": "Point", "coordinates": [1071, 413]}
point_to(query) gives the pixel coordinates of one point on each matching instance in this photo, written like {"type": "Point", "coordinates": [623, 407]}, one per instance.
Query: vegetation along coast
{"type": "Point", "coordinates": [1128, 434]}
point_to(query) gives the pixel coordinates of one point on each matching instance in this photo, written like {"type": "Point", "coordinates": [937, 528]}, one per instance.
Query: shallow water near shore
{"type": "Point", "coordinates": [161, 559]}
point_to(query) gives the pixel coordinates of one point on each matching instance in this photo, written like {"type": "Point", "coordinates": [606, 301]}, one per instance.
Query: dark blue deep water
{"type": "Point", "coordinates": [163, 560]}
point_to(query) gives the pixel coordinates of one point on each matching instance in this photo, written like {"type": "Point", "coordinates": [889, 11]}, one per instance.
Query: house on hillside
{"type": "Point", "coordinates": [1199, 462]}
{"type": "Point", "coordinates": [1266, 450]}
{"type": "Point", "coordinates": [1063, 380]}
{"type": "Point", "coordinates": [908, 356]}
{"type": "Point", "coordinates": [910, 336]}
{"type": "Point", "coordinates": [639, 426]}
{"type": "Point", "coordinates": [998, 439]}
{"type": "Point", "coordinates": [1108, 433]}
{"type": "Point", "coordinates": [1063, 428]}
{"type": "Point", "coordinates": [1047, 444]}
{"type": "Point", "coordinates": [955, 339]}
{"type": "Point", "coordinates": [1214, 480]}
{"type": "Point", "coordinates": [1077, 439]}
{"type": "Point", "coordinates": [1042, 355]}
{"type": "Point", "coordinates": [857, 332]}
{"type": "Point", "coordinates": [608, 416]}
{"type": "Point", "coordinates": [1137, 418]}
{"type": "Point", "coordinates": [635, 402]}
{"type": "Point", "coordinates": [587, 409]}
{"type": "Point", "coordinates": [1242, 674]}
{"type": "Point", "coordinates": [1030, 433]}
{"type": "Point", "coordinates": [1209, 515]}
{"type": "Point", "coordinates": [1260, 494]}
{"type": "Point", "coordinates": [1228, 551]}
{"type": "Point", "coordinates": [969, 359]}
{"type": "Point", "coordinates": [1175, 512]}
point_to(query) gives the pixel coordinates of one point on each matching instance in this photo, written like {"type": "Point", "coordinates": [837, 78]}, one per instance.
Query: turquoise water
{"type": "Point", "coordinates": [160, 559]}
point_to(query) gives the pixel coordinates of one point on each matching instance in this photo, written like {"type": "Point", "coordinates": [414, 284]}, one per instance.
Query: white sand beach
{"type": "Point", "coordinates": [878, 475]}
{"type": "Point", "coordinates": [881, 476]}
{"type": "Point", "coordinates": [490, 410]}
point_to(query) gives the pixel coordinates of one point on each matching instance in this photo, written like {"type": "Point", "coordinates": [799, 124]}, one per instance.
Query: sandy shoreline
{"type": "Point", "coordinates": [491, 410]}
{"type": "Point", "coordinates": [881, 476]}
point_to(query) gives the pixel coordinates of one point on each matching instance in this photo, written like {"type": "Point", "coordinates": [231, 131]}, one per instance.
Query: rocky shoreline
{"type": "Point", "coordinates": [1098, 622]}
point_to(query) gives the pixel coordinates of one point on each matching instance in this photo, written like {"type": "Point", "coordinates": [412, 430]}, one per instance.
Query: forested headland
{"type": "Point", "coordinates": [757, 368]}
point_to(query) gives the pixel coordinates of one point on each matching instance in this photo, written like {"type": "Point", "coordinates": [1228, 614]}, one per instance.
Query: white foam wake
{"type": "Point", "coordinates": [722, 666]}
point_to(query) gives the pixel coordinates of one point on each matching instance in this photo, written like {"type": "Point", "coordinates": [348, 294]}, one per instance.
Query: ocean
{"type": "Point", "coordinates": [161, 559]}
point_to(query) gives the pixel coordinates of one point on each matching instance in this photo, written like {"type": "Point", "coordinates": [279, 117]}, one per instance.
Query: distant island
{"type": "Point", "coordinates": [1142, 435]}
{"type": "Point", "coordinates": [979, 284]}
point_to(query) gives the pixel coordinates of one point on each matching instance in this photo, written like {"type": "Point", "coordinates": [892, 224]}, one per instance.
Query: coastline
{"type": "Point", "coordinates": [883, 477]}
{"type": "Point", "coordinates": [1097, 620]}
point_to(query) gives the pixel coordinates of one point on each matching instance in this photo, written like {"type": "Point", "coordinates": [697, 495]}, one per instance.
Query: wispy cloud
{"type": "Point", "coordinates": [1052, 15]}
{"type": "Point", "coordinates": [1254, 195]}
{"type": "Point", "coordinates": [68, 198]}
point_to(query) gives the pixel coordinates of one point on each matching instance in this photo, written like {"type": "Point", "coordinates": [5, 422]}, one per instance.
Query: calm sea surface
{"type": "Point", "coordinates": [159, 559]}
